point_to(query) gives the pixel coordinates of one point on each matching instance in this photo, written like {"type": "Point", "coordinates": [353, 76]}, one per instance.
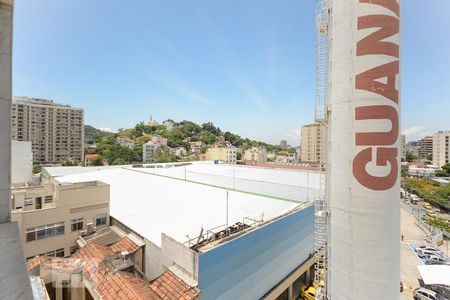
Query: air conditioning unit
{"type": "Point", "coordinates": [90, 228]}
{"type": "Point", "coordinates": [83, 233]}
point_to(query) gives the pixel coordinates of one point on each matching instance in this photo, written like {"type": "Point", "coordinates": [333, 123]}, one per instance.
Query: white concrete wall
{"type": "Point", "coordinates": [6, 26]}
{"type": "Point", "coordinates": [21, 162]}
{"type": "Point", "coordinates": [153, 261]}
{"type": "Point", "coordinates": [175, 253]}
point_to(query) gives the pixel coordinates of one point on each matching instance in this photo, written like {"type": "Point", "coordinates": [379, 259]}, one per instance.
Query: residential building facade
{"type": "Point", "coordinates": [169, 124]}
{"type": "Point", "coordinates": [403, 145]}
{"type": "Point", "coordinates": [21, 162]}
{"type": "Point", "coordinates": [425, 147]}
{"type": "Point", "coordinates": [56, 131]}
{"type": "Point", "coordinates": [223, 154]}
{"type": "Point", "coordinates": [148, 152]}
{"type": "Point", "coordinates": [313, 142]}
{"type": "Point", "coordinates": [125, 141]}
{"type": "Point", "coordinates": [256, 154]}
{"type": "Point", "coordinates": [441, 148]}
{"type": "Point", "coordinates": [52, 216]}
{"type": "Point", "coordinates": [196, 147]}
{"type": "Point", "coordinates": [160, 141]}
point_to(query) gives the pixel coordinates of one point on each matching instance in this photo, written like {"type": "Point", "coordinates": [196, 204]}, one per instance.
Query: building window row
{"type": "Point", "coordinates": [43, 232]}
{"type": "Point", "coordinates": [77, 224]}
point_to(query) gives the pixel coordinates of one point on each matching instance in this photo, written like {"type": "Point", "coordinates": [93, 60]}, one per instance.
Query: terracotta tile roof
{"type": "Point", "coordinates": [125, 244]}
{"type": "Point", "coordinates": [169, 286]}
{"type": "Point", "coordinates": [111, 285]}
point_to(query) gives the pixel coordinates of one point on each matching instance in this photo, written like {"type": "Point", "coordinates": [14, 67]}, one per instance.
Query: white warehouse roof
{"type": "Point", "coordinates": [154, 204]}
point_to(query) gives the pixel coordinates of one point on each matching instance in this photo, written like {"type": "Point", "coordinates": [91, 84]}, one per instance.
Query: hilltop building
{"type": "Point", "coordinates": [169, 124]}
{"type": "Point", "coordinates": [283, 144]}
{"type": "Point", "coordinates": [160, 141]}
{"type": "Point", "coordinates": [148, 152]}
{"type": "Point", "coordinates": [125, 141]}
{"type": "Point", "coordinates": [441, 148]}
{"type": "Point", "coordinates": [56, 131]}
{"type": "Point", "coordinates": [196, 147]}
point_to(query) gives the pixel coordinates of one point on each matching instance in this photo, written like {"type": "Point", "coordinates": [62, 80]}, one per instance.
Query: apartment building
{"type": "Point", "coordinates": [256, 154]}
{"type": "Point", "coordinates": [196, 147]}
{"type": "Point", "coordinates": [160, 141]}
{"type": "Point", "coordinates": [313, 139]}
{"type": "Point", "coordinates": [52, 216]}
{"type": "Point", "coordinates": [148, 152]}
{"type": "Point", "coordinates": [403, 145]}
{"type": "Point", "coordinates": [283, 144]}
{"type": "Point", "coordinates": [441, 148]}
{"type": "Point", "coordinates": [56, 131]}
{"type": "Point", "coordinates": [425, 147]}
{"type": "Point", "coordinates": [223, 154]}
{"type": "Point", "coordinates": [125, 141]}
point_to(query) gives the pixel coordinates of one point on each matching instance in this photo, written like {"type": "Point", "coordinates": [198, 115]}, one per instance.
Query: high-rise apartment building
{"type": "Point", "coordinates": [425, 147]}
{"type": "Point", "coordinates": [313, 139]}
{"type": "Point", "coordinates": [56, 131]}
{"type": "Point", "coordinates": [283, 144]}
{"type": "Point", "coordinates": [441, 148]}
{"type": "Point", "coordinates": [403, 145]}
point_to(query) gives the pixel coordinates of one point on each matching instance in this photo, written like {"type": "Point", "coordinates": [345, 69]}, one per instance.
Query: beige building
{"type": "Point", "coordinates": [223, 154]}
{"type": "Point", "coordinates": [403, 145]}
{"type": "Point", "coordinates": [125, 141]}
{"type": "Point", "coordinates": [313, 142]}
{"type": "Point", "coordinates": [56, 131]}
{"type": "Point", "coordinates": [256, 154]}
{"type": "Point", "coordinates": [196, 147]}
{"type": "Point", "coordinates": [52, 216]}
{"type": "Point", "coordinates": [441, 148]}
{"type": "Point", "coordinates": [425, 147]}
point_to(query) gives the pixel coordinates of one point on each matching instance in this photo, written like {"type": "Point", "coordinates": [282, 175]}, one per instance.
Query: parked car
{"type": "Point", "coordinates": [435, 260]}
{"type": "Point", "coordinates": [428, 252]}
{"type": "Point", "coordinates": [425, 294]}
{"type": "Point", "coordinates": [401, 287]}
{"type": "Point", "coordinates": [308, 292]}
{"type": "Point", "coordinates": [414, 201]}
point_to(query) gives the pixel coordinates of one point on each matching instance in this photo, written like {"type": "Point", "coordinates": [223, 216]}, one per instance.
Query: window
{"type": "Point", "coordinates": [77, 224]}
{"type": "Point", "coordinates": [48, 199]}
{"type": "Point", "coordinates": [38, 202]}
{"type": "Point", "coordinates": [73, 249]}
{"type": "Point", "coordinates": [59, 253]}
{"type": "Point", "coordinates": [42, 232]}
{"type": "Point", "coordinates": [28, 201]}
{"type": "Point", "coordinates": [31, 234]}
{"type": "Point", "coordinates": [101, 219]}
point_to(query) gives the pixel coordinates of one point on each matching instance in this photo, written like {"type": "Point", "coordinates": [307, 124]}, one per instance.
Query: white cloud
{"type": "Point", "coordinates": [414, 133]}
{"type": "Point", "coordinates": [107, 129]}
{"type": "Point", "coordinates": [293, 137]}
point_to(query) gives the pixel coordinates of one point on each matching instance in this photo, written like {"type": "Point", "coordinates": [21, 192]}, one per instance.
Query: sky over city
{"type": "Point", "coordinates": [248, 66]}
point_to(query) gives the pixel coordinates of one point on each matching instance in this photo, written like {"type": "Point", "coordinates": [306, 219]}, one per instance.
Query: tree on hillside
{"type": "Point", "coordinates": [126, 155]}
{"type": "Point", "coordinates": [430, 157]}
{"type": "Point", "coordinates": [164, 156]}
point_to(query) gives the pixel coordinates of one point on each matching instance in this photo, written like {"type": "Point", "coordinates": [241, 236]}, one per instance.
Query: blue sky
{"type": "Point", "coordinates": [246, 65]}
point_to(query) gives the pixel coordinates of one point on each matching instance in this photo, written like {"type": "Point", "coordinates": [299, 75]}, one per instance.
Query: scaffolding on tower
{"type": "Point", "coordinates": [321, 116]}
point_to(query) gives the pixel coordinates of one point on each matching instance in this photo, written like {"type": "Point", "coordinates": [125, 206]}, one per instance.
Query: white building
{"type": "Point", "coordinates": [148, 152]}
{"type": "Point", "coordinates": [256, 154]}
{"type": "Point", "coordinates": [403, 145]}
{"type": "Point", "coordinates": [125, 141]}
{"type": "Point", "coordinates": [441, 148]}
{"type": "Point", "coordinates": [179, 151]}
{"type": "Point", "coordinates": [160, 141]}
{"type": "Point", "coordinates": [248, 244]}
{"type": "Point", "coordinates": [169, 124]}
{"type": "Point", "coordinates": [21, 162]}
